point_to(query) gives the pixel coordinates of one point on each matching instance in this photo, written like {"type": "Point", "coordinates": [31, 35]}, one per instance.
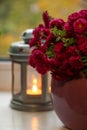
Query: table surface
{"type": "Point", "coordinates": [17, 120]}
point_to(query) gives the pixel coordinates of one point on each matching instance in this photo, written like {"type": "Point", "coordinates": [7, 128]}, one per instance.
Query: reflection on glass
{"type": "Point", "coordinates": [34, 90]}
{"type": "Point", "coordinates": [17, 80]}
{"type": "Point", "coordinates": [33, 82]}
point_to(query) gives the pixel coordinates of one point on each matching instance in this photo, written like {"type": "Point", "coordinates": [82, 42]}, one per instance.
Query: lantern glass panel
{"type": "Point", "coordinates": [49, 81]}
{"type": "Point", "coordinates": [17, 78]}
{"type": "Point", "coordinates": [34, 82]}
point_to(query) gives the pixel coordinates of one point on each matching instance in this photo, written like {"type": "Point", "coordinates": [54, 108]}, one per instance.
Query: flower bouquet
{"type": "Point", "coordinates": [60, 47]}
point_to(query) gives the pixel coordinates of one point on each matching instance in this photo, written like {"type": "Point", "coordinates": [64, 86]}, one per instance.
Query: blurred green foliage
{"type": "Point", "coordinates": [15, 17]}
{"type": "Point", "coordinates": [19, 15]}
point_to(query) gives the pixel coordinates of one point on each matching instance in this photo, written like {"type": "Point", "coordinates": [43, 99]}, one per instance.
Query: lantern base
{"type": "Point", "coordinates": [32, 106]}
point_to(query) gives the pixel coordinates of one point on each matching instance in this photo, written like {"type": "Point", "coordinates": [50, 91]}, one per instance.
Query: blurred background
{"type": "Point", "coordinates": [19, 15]}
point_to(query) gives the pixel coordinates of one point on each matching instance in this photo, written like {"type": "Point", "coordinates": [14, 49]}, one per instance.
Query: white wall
{"type": "Point", "coordinates": [5, 76]}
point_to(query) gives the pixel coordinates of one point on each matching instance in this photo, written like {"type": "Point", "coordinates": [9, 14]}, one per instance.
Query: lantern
{"type": "Point", "coordinates": [30, 90]}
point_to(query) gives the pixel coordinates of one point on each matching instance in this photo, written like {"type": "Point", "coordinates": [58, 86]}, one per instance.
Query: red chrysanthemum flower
{"type": "Point", "coordinates": [60, 47]}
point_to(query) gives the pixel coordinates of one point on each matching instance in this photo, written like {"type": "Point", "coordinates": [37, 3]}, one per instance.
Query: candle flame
{"type": "Point", "coordinates": [34, 81]}
{"type": "Point", "coordinates": [34, 88]}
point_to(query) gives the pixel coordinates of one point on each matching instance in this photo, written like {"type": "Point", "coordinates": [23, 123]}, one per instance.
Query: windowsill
{"type": "Point", "coordinates": [19, 120]}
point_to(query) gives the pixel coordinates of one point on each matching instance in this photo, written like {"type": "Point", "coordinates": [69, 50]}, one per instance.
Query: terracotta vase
{"type": "Point", "coordinates": [70, 102]}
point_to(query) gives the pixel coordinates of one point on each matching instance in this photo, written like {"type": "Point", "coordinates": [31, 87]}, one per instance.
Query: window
{"type": "Point", "coordinates": [19, 15]}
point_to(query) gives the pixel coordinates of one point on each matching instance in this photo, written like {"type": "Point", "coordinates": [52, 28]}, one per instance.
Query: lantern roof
{"type": "Point", "coordinates": [26, 35]}
{"type": "Point", "coordinates": [19, 51]}
{"type": "Point", "coordinates": [19, 48]}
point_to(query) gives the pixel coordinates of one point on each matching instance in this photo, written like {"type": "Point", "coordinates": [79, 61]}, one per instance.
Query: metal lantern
{"type": "Point", "coordinates": [30, 90]}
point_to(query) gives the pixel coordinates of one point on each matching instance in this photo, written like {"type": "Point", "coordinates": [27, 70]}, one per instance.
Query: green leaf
{"type": "Point", "coordinates": [66, 44]}
{"type": "Point", "coordinates": [62, 33]}
{"type": "Point", "coordinates": [55, 31]}
{"type": "Point", "coordinates": [68, 41]}
{"type": "Point", "coordinates": [84, 57]}
{"type": "Point", "coordinates": [65, 40]}
{"type": "Point", "coordinates": [84, 60]}
{"type": "Point", "coordinates": [85, 71]}
{"type": "Point", "coordinates": [58, 39]}
{"type": "Point", "coordinates": [71, 40]}
{"type": "Point", "coordinates": [50, 52]}
{"type": "Point", "coordinates": [85, 34]}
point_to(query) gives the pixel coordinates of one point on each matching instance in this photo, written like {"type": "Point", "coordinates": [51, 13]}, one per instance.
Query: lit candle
{"type": "Point", "coordinates": [34, 90]}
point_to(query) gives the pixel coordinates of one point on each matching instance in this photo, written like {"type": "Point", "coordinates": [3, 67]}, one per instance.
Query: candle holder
{"type": "Point", "coordinates": [30, 90]}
